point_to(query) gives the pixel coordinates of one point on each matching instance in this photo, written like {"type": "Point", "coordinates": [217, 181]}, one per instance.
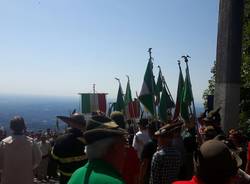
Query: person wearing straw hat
{"type": "Point", "coordinates": [69, 149]}
{"type": "Point", "coordinates": [106, 144]}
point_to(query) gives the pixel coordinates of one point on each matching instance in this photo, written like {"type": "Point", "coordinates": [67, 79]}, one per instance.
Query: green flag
{"type": "Point", "coordinates": [147, 93]}
{"type": "Point", "coordinates": [159, 83]}
{"type": "Point", "coordinates": [159, 87]}
{"type": "Point", "coordinates": [165, 104]}
{"type": "Point", "coordinates": [128, 96]}
{"type": "Point", "coordinates": [179, 93]}
{"type": "Point", "coordinates": [119, 105]}
{"type": "Point", "coordinates": [187, 96]}
{"type": "Point", "coordinates": [187, 91]}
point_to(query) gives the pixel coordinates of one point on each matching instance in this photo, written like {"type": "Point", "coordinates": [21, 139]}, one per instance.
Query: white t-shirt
{"type": "Point", "coordinates": [140, 139]}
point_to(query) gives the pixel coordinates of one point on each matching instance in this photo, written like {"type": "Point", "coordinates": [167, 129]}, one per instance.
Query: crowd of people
{"type": "Point", "coordinates": [112, 150]}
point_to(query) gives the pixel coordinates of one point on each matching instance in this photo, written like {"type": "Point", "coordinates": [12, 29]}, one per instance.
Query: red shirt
{"type": "Point", "coordinates": [131, 167]}
{"type": "Point", "coordinates": [193, 181]}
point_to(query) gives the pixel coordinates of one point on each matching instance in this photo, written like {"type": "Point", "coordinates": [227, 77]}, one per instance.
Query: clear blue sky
{"type": "Point", "coordinates": [62, 47]}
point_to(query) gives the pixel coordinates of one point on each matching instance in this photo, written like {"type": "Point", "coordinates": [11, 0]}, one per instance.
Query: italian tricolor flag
{"type": "Point", "coordinates": [92, 102]}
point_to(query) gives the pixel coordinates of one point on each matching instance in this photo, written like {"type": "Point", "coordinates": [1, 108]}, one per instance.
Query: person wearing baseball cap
{"type": "Point", "coordinates": [105, 151]}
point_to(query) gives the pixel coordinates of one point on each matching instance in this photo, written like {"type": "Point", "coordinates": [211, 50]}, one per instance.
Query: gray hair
{"type": "Point", "coordinates": [99, 148]}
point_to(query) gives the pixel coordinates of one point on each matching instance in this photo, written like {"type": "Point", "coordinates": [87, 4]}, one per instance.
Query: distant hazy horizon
{"type": "Point", "coordinates": [40, 112]}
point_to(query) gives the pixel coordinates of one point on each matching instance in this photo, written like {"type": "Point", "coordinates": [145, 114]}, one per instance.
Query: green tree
{"type": "Point", "coordinates": [211, 85]}
{"type": "Point", "coordinates": [245, 68]}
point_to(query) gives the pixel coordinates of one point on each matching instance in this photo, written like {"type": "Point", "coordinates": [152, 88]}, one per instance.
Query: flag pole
{"type": "Point", "coordinates": [175, 112]}
{"type": "Point", "coordinates": [194, 111]}
{"type": "Point", "coordinates": [150, 60]}
{"type": "Point", "coordinates": [118, 81]}
{"type": "Point", "coordinates": [118, 90]}
{"type": "Point", "coordinates": [179, 64]}
{"type": "Point", "coordinates": [186, 61]}
{"type": "Point", "coordinates": [133, 112]}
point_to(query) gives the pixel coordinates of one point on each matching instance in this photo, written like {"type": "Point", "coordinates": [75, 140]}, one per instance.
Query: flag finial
{"type": "Point", "coordinates": [150, 52]}
{"type": "Point", "coordinates": [186, 58]}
